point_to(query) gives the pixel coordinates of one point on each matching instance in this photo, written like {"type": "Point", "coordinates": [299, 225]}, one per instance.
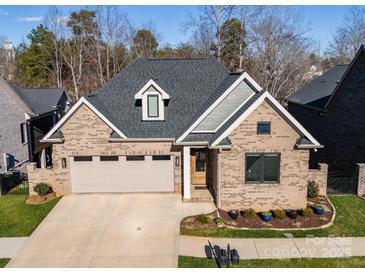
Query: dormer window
{"type": "Point", "coordinates": [152, 106]}
{"type": "Point", "coordinates": [152, 97]}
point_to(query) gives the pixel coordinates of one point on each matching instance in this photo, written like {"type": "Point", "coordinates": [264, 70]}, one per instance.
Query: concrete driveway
{"type": "Point", "coordinates": [106, 230]}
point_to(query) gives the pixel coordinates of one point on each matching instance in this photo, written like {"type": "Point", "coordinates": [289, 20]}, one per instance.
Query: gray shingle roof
{"type": "Point", "coordinates": [191, 83]}
{"type": "Point", "coordinates": [40, 100]}
{"type": "Point", "coordinates": [317, 92]}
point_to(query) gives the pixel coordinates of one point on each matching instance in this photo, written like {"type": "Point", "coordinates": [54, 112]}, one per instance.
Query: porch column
{"type": "Point", "coordinates": [43, 158]}
{"type": "Point", "coordinates": [186, 172]}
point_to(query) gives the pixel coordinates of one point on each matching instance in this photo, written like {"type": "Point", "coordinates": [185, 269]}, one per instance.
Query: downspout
{"type": "Point", "coordinates": [30, 141]}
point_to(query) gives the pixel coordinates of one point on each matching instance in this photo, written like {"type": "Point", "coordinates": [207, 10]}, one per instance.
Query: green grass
{"type": "Point", "coordinates": [18, 219]}
{"type": "Point", "coordinates": [349, 222]}
{"type": "Point", "coordinates": [3, 262]}
{"type": "Point", "coordinates": [192, 262]}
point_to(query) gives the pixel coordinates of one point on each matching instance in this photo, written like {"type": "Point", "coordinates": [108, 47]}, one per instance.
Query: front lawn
{"type": "Point", "coordinates": [192, 262]}
{"type": "Point", "coordinates": [3, 262]}
{"type": "Point", "coordinates": [18, 219]}
{"type": "Point", "coordinates": [349, 222]}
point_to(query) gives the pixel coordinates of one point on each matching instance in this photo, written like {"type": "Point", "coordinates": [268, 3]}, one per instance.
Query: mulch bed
{"type": "Point", "coordinates": [256, 221]}
{"type": "Point", "coordinates": [38, 200]}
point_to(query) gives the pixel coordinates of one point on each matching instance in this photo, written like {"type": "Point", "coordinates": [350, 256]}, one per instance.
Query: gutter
{"type": "Point", "coordinates": [126, 140]}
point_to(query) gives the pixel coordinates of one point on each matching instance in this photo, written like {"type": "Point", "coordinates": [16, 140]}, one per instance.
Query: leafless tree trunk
{"type": "Point", "coordinates": [208, 26]}
{"type": "Point", "coordinates": [115, 32]}
{"type": "Point", "coordinates": [279, 50]}
{"type": "Point", "coordinates": [54, 22]}
{"type": "Point", "coordinates": [349, 37]}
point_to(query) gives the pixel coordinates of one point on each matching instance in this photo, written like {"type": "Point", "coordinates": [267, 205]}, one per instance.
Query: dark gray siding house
{"type": "Point", "coordinates": [26, 115]}
{"type": "Point", "coordinates": [332, 108]}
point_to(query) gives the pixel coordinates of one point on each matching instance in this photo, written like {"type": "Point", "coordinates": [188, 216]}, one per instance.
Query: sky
{"type": "Point", "coordinates": [17, 21]}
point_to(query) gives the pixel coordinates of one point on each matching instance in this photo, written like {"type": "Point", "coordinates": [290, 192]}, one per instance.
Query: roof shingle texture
{"type": "Point", "coordinates": [191, 83]}
{"type": "Point", "coordinates": [40, 100]}
{"type": "Point", "coordinates": [317, 92]}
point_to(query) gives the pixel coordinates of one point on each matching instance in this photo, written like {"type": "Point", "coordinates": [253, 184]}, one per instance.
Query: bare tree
{"type": "Point", "coordinates": [208, 25]}
{"type": "Point", "coordinates": [279, 50]}
{"type": "Point", "coordinates": [77, 37]}
{"type": "Point", "coordinates": [114, 36]}
{"type": "Point", "coordinates": [55, 20]}
{"type": "Point", "coordinates": [247, 16]}
{"type": "Point", "coordinates": [349, 37]}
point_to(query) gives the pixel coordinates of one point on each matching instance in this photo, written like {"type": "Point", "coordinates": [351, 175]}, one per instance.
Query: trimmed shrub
{"type": "Point", "coordinates": [307, 212]}
{"type": "Point", "coordinates": [312, 189]}
{"type": "Point", "coordinates": [249, 213]}
{"type": "Point", "coordinates": [279, 213]}
{"type": "Point", "coordinates": [203, 219]}
{"type": "Point", "coordinates": [42, 189]}
{"type": "Point", "coordinates": [219, 221]}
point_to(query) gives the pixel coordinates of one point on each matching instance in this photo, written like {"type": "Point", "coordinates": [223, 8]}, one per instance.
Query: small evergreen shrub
{"type": "Point", "coordinates": [307, 212]}
{"type": "Point", "coordinates": [312, 189]}
{"type": "Point", "coordinates": [249, 213]}
{"type": "Point", "coordinates": [279, 213]}
{"type": "Point", "coordinates": [203, 219]}
{"type": "Point", "coordinates": [219, 221]}
{"type": "Point", "coordinates": [42, 189]}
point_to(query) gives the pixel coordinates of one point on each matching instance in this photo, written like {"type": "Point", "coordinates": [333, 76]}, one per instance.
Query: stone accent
{"type": "Point", "coordinates": [361, 180]}
{"type": "Point", "coordinates": [320, 177]}
{"type": "Point", "coordinates": [87, 135]}
{"type": "Point", "coordinates": [290, 192]}
{"type": "Point", "coordinates": [40, 175]}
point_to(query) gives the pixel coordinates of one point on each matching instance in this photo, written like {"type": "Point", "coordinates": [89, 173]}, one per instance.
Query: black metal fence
{"type": "Point", "coordinates": [13, 183]}
{"type": "Point", "coordinates": [340, 182]}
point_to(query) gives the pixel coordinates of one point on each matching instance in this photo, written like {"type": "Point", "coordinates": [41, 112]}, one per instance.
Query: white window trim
{"type": "Point", "coordinates": [150, 83]}
{"type": "Point", "coordinates": [244, 76]}
{"type": "Point", "coordinates": [258, 102]}
{"type": "Point", "coordinates": [161, 112]}
{"type": "Point", "coordinates": [143, 95]}
{"type": "Point", "coordinates": [81, 101]}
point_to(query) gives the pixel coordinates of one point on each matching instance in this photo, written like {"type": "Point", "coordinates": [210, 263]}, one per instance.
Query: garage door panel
{"type": "Point", "coordinates": [122, 175]}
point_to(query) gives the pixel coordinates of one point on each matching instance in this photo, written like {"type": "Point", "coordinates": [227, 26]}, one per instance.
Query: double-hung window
{"type": "Point", "coordinates": [262, 168]}
{"type": "Point", "coordinates": [152, 106]}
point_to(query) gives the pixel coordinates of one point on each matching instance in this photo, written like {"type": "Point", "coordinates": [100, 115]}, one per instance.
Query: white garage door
{"type": "Point", "coordinates": [122, 173]}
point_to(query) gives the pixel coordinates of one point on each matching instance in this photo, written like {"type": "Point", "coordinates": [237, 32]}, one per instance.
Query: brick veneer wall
{"type": "Point", "coordinates": [320, 177]}
{"type": "Point", "coordinates": [86, 134]}
{"type": "Point", "coordinates": [290, 192]}
{"type": "Point", "coordinates": [361, 180]}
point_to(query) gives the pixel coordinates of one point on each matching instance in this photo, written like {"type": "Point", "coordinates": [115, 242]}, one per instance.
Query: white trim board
{"type": "Point", "coordinates": [81, 101]}
{"type": "Point", "coordinates": [220, 99]}
{"type": "Point", "coordinates": [156, 86]}
{"type": "Point", "coordinates": [225, 120]}
{"type": "Point", "coordinates": [256, 104]}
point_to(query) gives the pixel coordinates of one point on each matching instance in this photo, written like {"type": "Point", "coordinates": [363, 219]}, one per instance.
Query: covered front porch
{"type": "Point", "coordinates": [199, 174]}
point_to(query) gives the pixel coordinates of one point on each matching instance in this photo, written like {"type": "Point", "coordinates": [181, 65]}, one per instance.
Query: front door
{"type": "Point", "coordinates": [199, 159]}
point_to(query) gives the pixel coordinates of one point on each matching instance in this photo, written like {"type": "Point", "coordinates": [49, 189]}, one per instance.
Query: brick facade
{"type": "Point", "coordinates": [87, 135]}
{"type": "Point", "coordinates": [361, 180]}
{"type": "Point", "coordinates": [320, 177]}
{"type": "Point", "coordinates": [290, 192]}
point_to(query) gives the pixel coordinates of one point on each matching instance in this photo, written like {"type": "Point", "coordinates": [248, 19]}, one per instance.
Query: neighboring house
{"type": "Point", "coordinates": [186, 126]}
{"type": "Point", "coordinates": [332, 108]}
{"type": "Point", "coordinates": [312, 73]}
{"type": "Point", "coordinates": [25, 116]}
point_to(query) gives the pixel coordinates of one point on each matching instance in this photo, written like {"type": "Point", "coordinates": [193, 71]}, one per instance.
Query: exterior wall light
{"type": "Point", "coordinates": [64, 163]}
{"type": "Point", "coordinates": [177, 161]}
